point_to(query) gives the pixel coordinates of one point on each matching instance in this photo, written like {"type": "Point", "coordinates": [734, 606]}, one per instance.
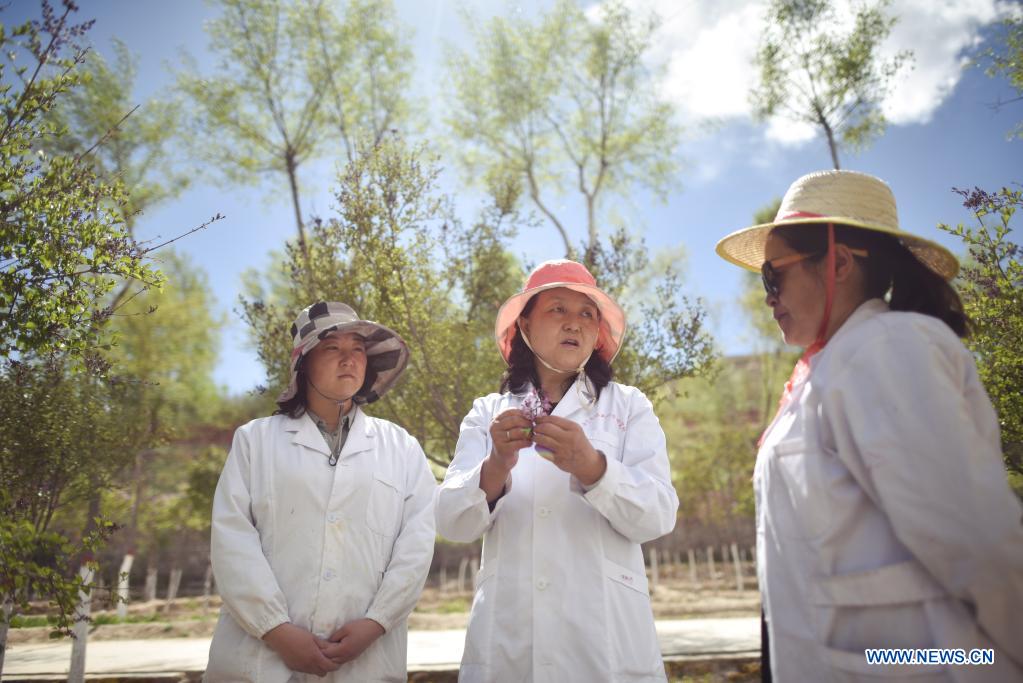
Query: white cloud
{"type": "Point", "coordinates": [939, 33]}
{"type": "Point", "coordinates": [707, 47]}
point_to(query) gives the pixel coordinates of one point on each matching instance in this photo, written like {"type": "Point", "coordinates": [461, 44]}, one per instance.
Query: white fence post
{"type": "Point", "coordinates": [463, 567]}
{"type": "Point", "coordinates": [150, 590]}
{"type": "Point", "coordinates": [654, 570]}
{"type": "Point", "coordinates": [207, 587]}
{"type": "Point", "coordinates": [692, 565]}
{"type": "Point", "coordinates": [739, 585]}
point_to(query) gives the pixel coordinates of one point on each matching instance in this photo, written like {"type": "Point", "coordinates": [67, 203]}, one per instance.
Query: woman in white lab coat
{"type": "Point", "coordinates": [323, 526]}
{"type": "Point", "coordinates": [884, 519]}
{"type": "Point", "coordinates": [564, 474]}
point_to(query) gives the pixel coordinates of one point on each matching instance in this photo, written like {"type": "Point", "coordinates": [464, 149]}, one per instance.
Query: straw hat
{"type": "Point", "coordinates": [574, 276]}
{"type": "Point", "coordinates": [386, 353]}
{"type": "Point", "coordinates": [841, 197]}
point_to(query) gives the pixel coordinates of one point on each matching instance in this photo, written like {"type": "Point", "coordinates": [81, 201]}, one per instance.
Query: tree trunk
{"type": "Point", "coordinates": [293, 182]}
{"type": "Point", "coordinates": [123, 582]}
{"type": "Point", "coordinates": [76, 673]}
{"type": "Point", "coordinates": [151, 576]}
{"type": "Point", "coordinates": [8, 611]}
{"type": "Point", "coordinates": [832, 146]}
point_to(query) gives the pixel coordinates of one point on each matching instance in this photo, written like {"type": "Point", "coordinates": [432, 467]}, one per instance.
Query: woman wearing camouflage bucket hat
{"type": "Point", "coordinates": [564, 474]}
{"type": "Point", "coordinates": [323, 526]}
{"type": "Point", "coordinates": [884, 519]}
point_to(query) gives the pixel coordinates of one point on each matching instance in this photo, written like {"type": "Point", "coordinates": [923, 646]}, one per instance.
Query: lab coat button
{"type": "Point", "coordinates": [542, 584]}
{"type": "Point", "coordinates": [328, 575]}
{"type": "Point", "coordinates": [332, 518]}
{"type": "Point", "coordinates": [544, 511]}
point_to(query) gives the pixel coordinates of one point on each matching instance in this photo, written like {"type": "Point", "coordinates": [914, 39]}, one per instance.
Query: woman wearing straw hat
{"type": "Point", "coordinates": [884, 519]}
{"type": "Point", "coordinates": [323, 524]}
{"type": "Point", "coordinates": [564, 473]}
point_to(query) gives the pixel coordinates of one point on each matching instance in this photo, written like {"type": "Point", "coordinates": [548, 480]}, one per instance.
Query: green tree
{"type": "Point", "coordinates": [64, 245]}
{"type": "Point", "coordinates": [367, 98]}
{"type": "Point", "coordinates": [811, 71]}
{"type": "Point", "coordinates": [991, 286]}
{"type": "Point", "coordinates": [565, 103]}
{"type": "Point", "coordinates": [396, 253]}
{"type": "Point", "coordinates": [290, 75]}
{"type": "Point", "coordinates": [63, 433]}
{"type": "Point", "coordinates": [167, 343]}
{"type": "Point", "coordinates": [136, 138]}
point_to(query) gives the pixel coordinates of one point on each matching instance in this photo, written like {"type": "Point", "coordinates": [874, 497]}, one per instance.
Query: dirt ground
{"type": "Point", "coordinates": [673, 598]}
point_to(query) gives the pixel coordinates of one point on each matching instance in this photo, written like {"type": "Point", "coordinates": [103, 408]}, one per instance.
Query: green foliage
{"type": "Point", "coordinates": [712, 431]}
{"type": "Point", "coordinates": [810, 71]}
{"type": "Point", "coordinates": [294, 81]}
{"type": "Point", "coordinates": [568, 103]}
{"type": "Point", "coordinates": [44, 564]}
{"type": "Point", "coordinates": [364, 63]}
{"type": "Point", "coordinates": [1007, 58]}
{"type": "Point", "coordinates": [991, 287]}
{"type": "Point", "coordinates": [564, 102]}
{"type": "Point", "coordinates": [62, 434]}
{"type": "Point", "coordinates": [64, 245]}
{"type": "Point", "coordinates": [136, 140]}
{"type": "Point", "coordinates": [667, 339]}
{"type": "Point", "coordinates": [397, 255]}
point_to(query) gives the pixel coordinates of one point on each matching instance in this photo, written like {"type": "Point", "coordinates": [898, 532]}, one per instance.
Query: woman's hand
{"type": "Point", "coordinates": [300, 650]}
{"type": "Point", "coordinates": [351, 640]}
{"type": "Point", "coordinates": [570, 450]}
{"type": "Point", "coordinates": [509, 433]}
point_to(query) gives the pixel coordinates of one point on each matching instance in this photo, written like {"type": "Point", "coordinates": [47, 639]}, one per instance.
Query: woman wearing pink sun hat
{"type": "Point", "coordinates": [564, 473]}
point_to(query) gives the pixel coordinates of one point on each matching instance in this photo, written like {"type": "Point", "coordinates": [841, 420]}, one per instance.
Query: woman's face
{"type": "Point", "coordinates": [562, 327]}
{"type": "Point", "coordinates": [337, 365]}
{"type": "Point", "coordinates": [799, 305]}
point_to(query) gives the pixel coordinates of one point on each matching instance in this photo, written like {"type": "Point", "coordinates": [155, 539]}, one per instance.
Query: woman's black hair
{"type": "Point", "coordinates": [295, 406]}
{"type": "Point", "coordinates": [521, 369]}
{"type": "Point", "coordinates": [889, 267]}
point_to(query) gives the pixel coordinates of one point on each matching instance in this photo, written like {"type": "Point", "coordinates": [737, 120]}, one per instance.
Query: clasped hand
{"type": "Point", "coordinates": [306, 653]}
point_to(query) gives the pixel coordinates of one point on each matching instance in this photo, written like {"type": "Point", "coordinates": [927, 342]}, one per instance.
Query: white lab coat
{"type": "Point", "coordinates": [562, 591]}
{"type": "Point", "coordinates": [296, 540]}
{"type": "Point", "coordinates": [884, 519]}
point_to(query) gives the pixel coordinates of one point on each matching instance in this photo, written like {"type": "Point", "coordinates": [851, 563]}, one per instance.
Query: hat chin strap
{"type": "Point", "coordinates": [550, 367]}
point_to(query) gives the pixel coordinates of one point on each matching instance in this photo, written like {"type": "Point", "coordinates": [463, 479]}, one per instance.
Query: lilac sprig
{"type": "Point", "coordinates": [536, 405]}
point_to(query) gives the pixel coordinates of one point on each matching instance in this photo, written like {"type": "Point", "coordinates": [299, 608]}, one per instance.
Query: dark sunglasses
{"type": "Point", "coordinates": [770, 269]}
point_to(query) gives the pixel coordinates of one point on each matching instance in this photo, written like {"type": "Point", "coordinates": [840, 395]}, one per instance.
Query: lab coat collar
{"type": "Point", "coordinates": [865, 311]}
{"type": "Point", "coordinates": [306, 433]}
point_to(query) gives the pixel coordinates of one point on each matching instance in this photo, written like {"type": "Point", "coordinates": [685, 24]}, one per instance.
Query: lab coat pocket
{"type": "Point", "coordinates": [383, 514]}
{"type": "Point", "coordinates": [800, 467]}
{"type": "Point", "coordinates": [632, 640]}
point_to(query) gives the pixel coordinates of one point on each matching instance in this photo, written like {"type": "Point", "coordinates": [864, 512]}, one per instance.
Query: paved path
{"type": "Point", "coordinates": [427, 650]}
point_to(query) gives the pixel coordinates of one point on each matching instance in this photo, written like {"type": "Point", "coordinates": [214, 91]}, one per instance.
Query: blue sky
{"type": "Point", "coordinates": [944, 133]}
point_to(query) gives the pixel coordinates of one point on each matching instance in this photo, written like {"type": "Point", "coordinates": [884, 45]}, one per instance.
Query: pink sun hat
{"type": "Point", "coordinates": [570, 275]}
